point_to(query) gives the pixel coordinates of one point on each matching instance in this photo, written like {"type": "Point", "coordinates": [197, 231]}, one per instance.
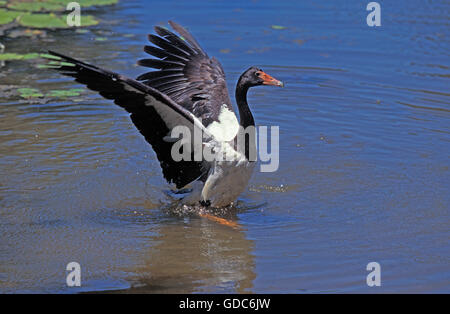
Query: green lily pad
{"type": "Point", "coordinates": [52, 5]}
{"type": "Point", "coordinates": [29, 93]}
{"type": "Point", "coordinates": [41, 20]}
{"type": "Point", "coordinates": [87, 3]}
{"type": "Point", "coordinates": [85, 20]}
{"type": "Point", "coordinates": [37, 20]}
{"type": "Point", "coordinates": [36, 6]}
{"type": "Point", "coordinates": [278, 27]}
{"type": "Point", "coordinates": [7, 16]}
{"type": "Point", "coordinates": [81, 31]}
{"type": "Point", "coordinates": [53, 64]}
{"type": "Point", "coordinates": [60, 63]}
{"type": "Point", "coordinates": [65, 93]}
{"type": "Point", "coordinates": [18, 56]}
{"type": "Point", "coordinates": [49, 56]}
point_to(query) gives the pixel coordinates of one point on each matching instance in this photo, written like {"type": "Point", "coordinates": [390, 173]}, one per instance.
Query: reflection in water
{"type": "Point", "coordinates": [198, 256]}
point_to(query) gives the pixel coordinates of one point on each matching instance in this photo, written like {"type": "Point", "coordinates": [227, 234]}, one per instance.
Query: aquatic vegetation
{"type": "Point", "coordinates": [86, 3]}
{"type": "Point", "coordinates": [53, 65]}
{"type": "Point", "coordinates": [81, 31]}
{"type": "Point", "coordinates": [27, 33]}
{"type": "Point", "coordinates": [34, 93]}
{"type": "Point", "coordinates": [65, 93]}
{"type": "Point", "coordinates": [49, 56]}
{"type": "Point", "coordinates": [35, 6]}
{"type": "Point", "coordinates": [278, 27]}
{"type": "Point", "coordinates": [30, 93]}
{"type": "Point", "coordinates": [54, 61]}
{"type": "Point", "coordinates": [27, 93]}
{"type": "Point", "coordinates": [45, 13]}
{"type": "Point", "coordinates": [39, 20]}
{"type": "Point", "coordinates": [7, 16]}
{"type": "Point", "coordinates": [18, 56]}
{"type": "Point", "coordinates": [52, 5]}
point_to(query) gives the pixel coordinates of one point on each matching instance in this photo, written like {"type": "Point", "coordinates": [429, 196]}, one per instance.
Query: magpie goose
{"type": "Point", "coordinates": [187, 89]}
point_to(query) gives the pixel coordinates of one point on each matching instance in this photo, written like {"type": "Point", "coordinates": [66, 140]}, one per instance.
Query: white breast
{"type": "Point", "coordinates": [229, 177]}
{"type": "Point", "coordinates": [227, 180]}
{"type": "Point", "coordinates": [227, 127]}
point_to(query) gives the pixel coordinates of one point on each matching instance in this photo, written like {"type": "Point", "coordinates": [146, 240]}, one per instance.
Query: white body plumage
{"type": "Point", "coordinates": [228, 177]}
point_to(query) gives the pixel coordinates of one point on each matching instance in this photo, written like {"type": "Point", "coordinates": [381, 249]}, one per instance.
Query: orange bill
{"type": "Point", "coordinates": [268, 80]}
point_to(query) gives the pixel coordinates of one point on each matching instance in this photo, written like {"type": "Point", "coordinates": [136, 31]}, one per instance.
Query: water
{"type": "Point", "coordinates": [364, 158]}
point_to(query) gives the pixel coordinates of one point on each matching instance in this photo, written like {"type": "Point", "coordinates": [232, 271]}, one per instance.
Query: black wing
{"type": "Point", "coordinates": [186, 74]}
{"type": "Point", "coordinates": [147, 107]}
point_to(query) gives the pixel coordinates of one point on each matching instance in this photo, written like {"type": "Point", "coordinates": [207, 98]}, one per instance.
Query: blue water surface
{"type": "Point", "coordinates": [364, 157]}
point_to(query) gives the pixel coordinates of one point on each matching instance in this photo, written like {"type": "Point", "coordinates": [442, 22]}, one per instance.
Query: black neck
{"type": "Point", "coordinates": [246, 117]}
{"type": "Point", "coordinates": [241, 100]}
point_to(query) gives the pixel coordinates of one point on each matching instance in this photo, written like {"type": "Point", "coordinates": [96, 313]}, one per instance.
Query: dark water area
{"type": "Point", "coordinates": [364, 157]}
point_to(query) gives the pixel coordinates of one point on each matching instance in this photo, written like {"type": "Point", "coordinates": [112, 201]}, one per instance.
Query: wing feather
{"type": "Point", "coordinates": [186, 74]}
{"type": "Point", "coordinates": [153, 113]}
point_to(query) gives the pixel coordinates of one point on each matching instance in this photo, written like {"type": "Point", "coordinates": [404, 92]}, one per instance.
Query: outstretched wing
{"type": "Point", "coordinates": [186, 74]}
{"type": "Point", "coordinates": [153, 113]}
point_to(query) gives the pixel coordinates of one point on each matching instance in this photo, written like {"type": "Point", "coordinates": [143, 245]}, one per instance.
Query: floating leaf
{"type": "Point", "coordinates": [46, 66]}
{"type": "Point", "coordinates": [87, 20]}
{"type": "Point", "coordinates": [29, 92]}
{"type": "Point", "coordinates": [87, 3]}
{"type": "Point", "coordinates": [52, 5]}
{"type": "Point", "coordinates": [18, 56]}
{"type": "Point", "coordinates": [37, 20]}
{"type": "Point", "coordinates": [48, 56]}
{"type": "Point", "coordinates": [43, 20]}
{"type": "Point", "coordinates": [60, 63]}
{"type": "Point", "coordinates": [65, 93]}
{"type": "Point", "coordinates": [278, 27]}
{"type": "Point", "coordinates": [36, 6]}
{"type": "Point", "coordinates": [7, 16]}
{"type": "Point", "coordinates": [81, 31]}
